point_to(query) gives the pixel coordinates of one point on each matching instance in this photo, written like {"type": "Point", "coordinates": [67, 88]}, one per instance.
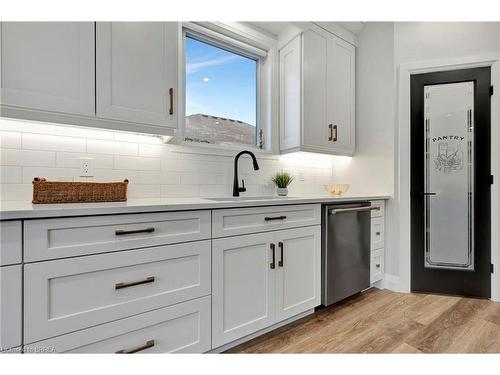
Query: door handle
{"type": "Point", "coordinates": [330, 138]}
{"type": "Point", "coordinates": [273, 263]}
{"type": "Point", "coordinates": [366, 208]}
{"type": "Point", "coordinates": [171, 101]}
{"type": "Point", "coordinates": [280, 262]}
{"type": "Point", "coordinates": [147, 345]}
{"type": "Point", "coordinates": [147, 280]}
{"type": "Point", "coordinates": [135, 231]}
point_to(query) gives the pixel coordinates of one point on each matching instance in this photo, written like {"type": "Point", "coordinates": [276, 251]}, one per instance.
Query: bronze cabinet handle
{"type": "Point", "coordinates": [273, 263]}
{"type": "Point", "coordinates": [377, 265]}
{"type": "Point", "coordinates": [147, 345]}
{"type": "Point", "coordinates": [330, 138]}
{"type": "Point", "coordinates": [270, 218]}
{"type": "Point", "coordinates": [335, 138]}
{"type": "Point", "coordinates": [135, 231]}
{"type": "Point", "coordinates": [280, 262]}
{"type": "Point", "coordinates": [171, 101]}
{"type": "Point", "coordinates": [147, 280]}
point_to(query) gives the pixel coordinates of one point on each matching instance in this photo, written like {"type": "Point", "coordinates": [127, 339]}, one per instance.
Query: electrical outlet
{"type": "Point", "coordinates": [86, 167]}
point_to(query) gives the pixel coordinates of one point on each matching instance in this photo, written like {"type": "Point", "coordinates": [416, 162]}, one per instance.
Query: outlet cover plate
{"type": "Point", "coordinates": [86, 167]}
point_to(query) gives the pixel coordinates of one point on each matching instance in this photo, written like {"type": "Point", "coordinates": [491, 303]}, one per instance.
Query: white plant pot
{"type": "Point", "coordinates": [282, 192]}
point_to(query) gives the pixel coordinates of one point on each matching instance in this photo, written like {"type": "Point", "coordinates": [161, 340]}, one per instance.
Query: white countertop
{"type": "Point", "coordinates": [12, 210]}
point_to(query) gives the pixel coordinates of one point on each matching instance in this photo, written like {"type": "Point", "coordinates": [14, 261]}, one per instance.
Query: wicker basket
{"type": "Point", "coordinates": [78, 192]}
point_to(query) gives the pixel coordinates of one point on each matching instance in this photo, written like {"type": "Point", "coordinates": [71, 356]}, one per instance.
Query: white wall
{"type": "Point", "coordinates": [418, 41]}
{"type": "Point", "coordinates": [32, 149]}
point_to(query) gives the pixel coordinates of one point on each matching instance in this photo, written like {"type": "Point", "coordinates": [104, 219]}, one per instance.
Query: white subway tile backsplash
{"type": "Point", "coordinates": [144, 191]}
{"type": "Point", "coordinates": [27, 126]}
{"type": "Point", "coordinates": [154, 169]}
{"type": "Point", "coordinates": [11, 175]}
{"type": "Point", "coordinates": [136, 138]}
{"type": "Point", "coordinates": [16, 192]}
{"type": "Point", "coordinates": [137, 163]}
{"type": "Point", "coordinates": [72, 160]}
{"type": "Point", "coordinates": [180, 191]}
{"type": "Point", "coordinates": [203, 179]}
{"type": "Point", "coordinates": [100, 146]}
{"type": "Point", "coordinates": [110, 175]}
{"type": "Point", "coordinates": [75, 131]}
{"type": "Point", "coordinates": [52, 174]}
{"type": "Point", "coordinates": [179, 165]}
{"type": "Point", "coordinates": [33, 141]}
{"type": "Point", "coordinates": [27, 157]}
{"type": "Point", "coordinates": [10, 139]}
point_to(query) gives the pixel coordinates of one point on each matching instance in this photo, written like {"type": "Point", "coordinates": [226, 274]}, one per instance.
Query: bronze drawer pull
{"type": "Point", "coordinates": [330, 138]}
{"type": "Point", "coordinates": [147, 280]}
{"type": "Point", "coordinates": [171, 101]}
{"type": "Point", "coordinates": [280, 262]}
{"type": "Point", "coordinates": [335, 128]}
{"type": "Point", "coordinates": [270, 218]}
{"type": "Point", "coordinates": [147, 345]}
{"type": "Point", "coordinates": [145, 230]}
{"type": "Point", "coordinates": [273, 263]}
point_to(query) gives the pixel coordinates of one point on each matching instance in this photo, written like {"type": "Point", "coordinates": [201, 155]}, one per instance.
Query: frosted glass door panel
{"type": "Point", "coordinates": [449, 176]}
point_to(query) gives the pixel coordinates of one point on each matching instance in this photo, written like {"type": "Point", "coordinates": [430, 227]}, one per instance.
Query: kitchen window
{"type": "Point", "coordinates": [221, 92]}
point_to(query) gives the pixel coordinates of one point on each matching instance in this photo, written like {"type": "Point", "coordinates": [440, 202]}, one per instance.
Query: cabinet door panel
{"type": "Point", "coordinates": [340, 92]}
{"type": "Point", "coordinates": [315, 130]}
{"type": "Point", "coordinates": [242, 286]}
{"type": "Point", "coordinates": [290, 97]}
{"type": "Point", "coordinates": [299, 271]}
{"type": "Point", "coordinates": [48, 66]}
{"type": "Point", "coordinates": [136, 66]}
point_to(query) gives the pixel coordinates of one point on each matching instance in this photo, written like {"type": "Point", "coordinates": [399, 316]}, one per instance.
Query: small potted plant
{"type": "Point", "coordinates": [282, 180]}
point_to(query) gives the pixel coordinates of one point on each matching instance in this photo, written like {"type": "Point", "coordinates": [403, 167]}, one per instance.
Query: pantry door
{"type": "Point", "coordinates": [450, 182]}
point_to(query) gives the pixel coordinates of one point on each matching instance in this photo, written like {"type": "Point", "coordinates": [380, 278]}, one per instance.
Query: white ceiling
{"type": "Point", "coordinates": [275, 28]}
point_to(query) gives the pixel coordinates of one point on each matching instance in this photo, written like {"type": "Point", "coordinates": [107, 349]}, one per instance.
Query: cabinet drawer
{"type": "Point", "coordinates": [377, 233]}
{"type": "Point", "coordinates": [237, 221]}
{"type": "Point", "coordinates": [182, 328]}
{"type": "Point", "coordinates": [66, 295]}
{"type": "Point", "coordinates": [60, 238]}
{"type": "Point", "coordinates": [381, 208]}
{"type": "Point", "coordinates": [11, 240]}
{"type": "Point", "coordinates": [377, 265]}
{"type": "Point", "coordinates": [10, 307]}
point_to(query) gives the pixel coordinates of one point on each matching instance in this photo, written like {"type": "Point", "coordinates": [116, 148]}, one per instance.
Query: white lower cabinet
{"type": "Point", "coordinates": [182, 328]}
{"type": "Point", "coordinates": [261, 279]}
{"type": "Point", "coordinates": [67, 295]}
{"type": "Point", "coordinates": [10, 307]}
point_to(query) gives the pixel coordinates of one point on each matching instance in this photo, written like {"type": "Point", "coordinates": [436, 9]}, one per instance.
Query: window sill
{"type": "Point", "coordinates": [219, 150]}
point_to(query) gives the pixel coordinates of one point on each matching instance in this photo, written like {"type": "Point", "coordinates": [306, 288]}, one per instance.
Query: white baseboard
{"type": "Point", "coordinates": [391, 282]}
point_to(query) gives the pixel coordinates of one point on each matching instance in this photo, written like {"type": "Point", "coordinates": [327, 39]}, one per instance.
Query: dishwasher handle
{"type": "Point", "coordinates": [365, 208]}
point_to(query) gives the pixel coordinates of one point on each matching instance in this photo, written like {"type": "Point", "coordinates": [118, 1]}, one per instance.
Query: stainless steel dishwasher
{"type": "Point", "coordinates": [345, 252]}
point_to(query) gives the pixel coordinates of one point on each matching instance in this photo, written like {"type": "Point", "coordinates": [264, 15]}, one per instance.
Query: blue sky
{"type": "Point", "coordinates": [220, 83]}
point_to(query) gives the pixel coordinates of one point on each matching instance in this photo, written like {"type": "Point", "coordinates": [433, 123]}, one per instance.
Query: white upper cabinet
{"type": "Point", "coordinates": [48, 66]}
{"type": "Point", "coordinates": [317, 88]}
{"type": "Point", "coordinates": [136, 71]}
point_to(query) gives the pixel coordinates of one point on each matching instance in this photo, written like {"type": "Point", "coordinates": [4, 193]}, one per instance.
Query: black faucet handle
{"type": "Point", "coordinates": [242, 188]}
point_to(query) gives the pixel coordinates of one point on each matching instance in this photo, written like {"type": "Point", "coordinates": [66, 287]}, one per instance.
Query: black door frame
{"type": "Point", "coordinates": [475, 283]}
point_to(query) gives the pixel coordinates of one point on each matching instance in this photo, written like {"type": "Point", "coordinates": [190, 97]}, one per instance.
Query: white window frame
{"type": "Point", "coordinates": [235, 38]}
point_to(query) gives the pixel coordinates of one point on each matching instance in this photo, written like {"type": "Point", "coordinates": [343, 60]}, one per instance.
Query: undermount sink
{"type": "Point", "coordinates": [232, 199]}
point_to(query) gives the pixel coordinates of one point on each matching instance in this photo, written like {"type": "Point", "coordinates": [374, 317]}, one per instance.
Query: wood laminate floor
{"type": "Point", "coordinates": [381, 321]}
